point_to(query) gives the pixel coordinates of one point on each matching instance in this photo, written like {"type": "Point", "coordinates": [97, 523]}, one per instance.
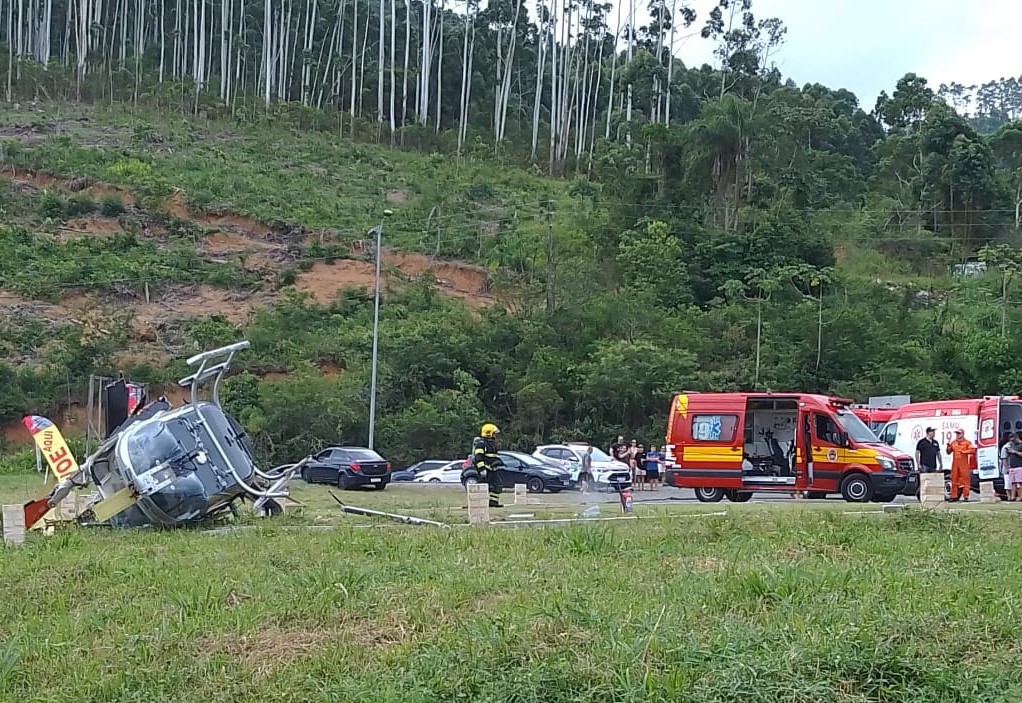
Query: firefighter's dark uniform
{"type": "Point", "coordinates": [485, 461]}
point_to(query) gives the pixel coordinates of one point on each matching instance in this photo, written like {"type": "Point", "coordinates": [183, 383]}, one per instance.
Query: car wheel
{"type": "Point", "coordinates": [739, 496]}
{"type": "Point", "coordinates": [380, 486]}
{"type": "Point", "coordinates": [305, 475]}
{"type": "Point", "coordinates": [709, 495]}
{"type": "Point", "coordinates": [342, 481]}
{"type": "Point", "coordinates": [434, 480]}
{"type": "Point", "coordinates": [534, 485]}
{"type": "Point", "coordinates": [856, 488]}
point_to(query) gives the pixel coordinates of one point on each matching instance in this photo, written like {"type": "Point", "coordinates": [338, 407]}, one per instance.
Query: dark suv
{"type": "Point", "coordinates": [348, 467]}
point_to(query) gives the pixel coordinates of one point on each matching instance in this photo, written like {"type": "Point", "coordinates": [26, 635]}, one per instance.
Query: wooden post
{"type": "Point", "coordinates": [521, 495]}
{"type": "Point", "coordinates": [931, 490]}
{"type": "Point", "coordinates": [478, 504]}
{"type": "Point", "coordinates": [987, 493]}
{"type": "Point", "coordinates": [14, 524]}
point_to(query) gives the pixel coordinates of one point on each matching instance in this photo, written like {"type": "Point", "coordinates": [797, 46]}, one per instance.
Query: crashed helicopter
{"type": "Point", "coordinates": [164, 466]}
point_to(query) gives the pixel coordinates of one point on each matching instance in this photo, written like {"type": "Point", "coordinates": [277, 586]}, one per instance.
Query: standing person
{"type": "Point", "coordinates": [928, 457]}
{"type": "Point", "coordinates": [621, 451]}
{"type": "Point", "coordinates": [653, 460]}
{"type": "Point", "coordinates": [1015, 467]}
{"type": "Point", "coordinates": [640, 464]}
{"type": "Point", "coordinates": [585, 476]}
{"type": "Point", "coordinates": [961, 451]}
{"type": "Point", "coordinates": [630, 459]}
{"type": "Point", "coordinates": [1006, 441]}
{"type": "Point", "coordinates": [486, 461]}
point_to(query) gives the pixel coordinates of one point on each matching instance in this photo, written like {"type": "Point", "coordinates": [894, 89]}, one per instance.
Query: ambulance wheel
{"type": "Point", "coordinates": [739, 496]}
{"type": "Point", "coordinates": [709, 495]}
{"type": "Point", "coordinates": [857, 488]}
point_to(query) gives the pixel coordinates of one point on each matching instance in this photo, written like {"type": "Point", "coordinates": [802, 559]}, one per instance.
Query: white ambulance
{"type": "Point", "coordinates": [986, 422]}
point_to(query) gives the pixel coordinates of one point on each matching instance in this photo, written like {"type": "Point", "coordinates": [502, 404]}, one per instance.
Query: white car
{"type": "Point", "coordinates": [448, 473]}
{"type": "Point", "coordinates": [608, 473]}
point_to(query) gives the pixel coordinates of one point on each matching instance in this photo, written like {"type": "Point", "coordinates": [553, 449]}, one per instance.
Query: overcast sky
{"type": "Point", "coordinates": [867, 45]}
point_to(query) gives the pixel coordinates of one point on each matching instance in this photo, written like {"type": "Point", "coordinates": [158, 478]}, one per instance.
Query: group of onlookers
{"type": "Point", "coordinates": [961, 450]}
{"type": "Point", "coordinates": [646, 464]}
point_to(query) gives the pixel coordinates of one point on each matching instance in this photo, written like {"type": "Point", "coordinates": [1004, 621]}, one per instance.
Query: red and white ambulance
{"type": "Point", "coordinates": [985, 421]}
{"type": "Point", "coordinates": [733, 444]}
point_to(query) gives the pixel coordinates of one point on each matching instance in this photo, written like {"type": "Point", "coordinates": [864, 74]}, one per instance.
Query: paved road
{"type": "Point", "coordinates": [665, 494]}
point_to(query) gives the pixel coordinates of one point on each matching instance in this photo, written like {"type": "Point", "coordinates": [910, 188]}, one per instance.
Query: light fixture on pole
{"type": "Point", "coordinates": [378, 231]}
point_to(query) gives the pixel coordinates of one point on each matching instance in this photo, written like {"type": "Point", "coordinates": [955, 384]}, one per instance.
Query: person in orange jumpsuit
{"type": "Point", "coordinates": [961, 450]}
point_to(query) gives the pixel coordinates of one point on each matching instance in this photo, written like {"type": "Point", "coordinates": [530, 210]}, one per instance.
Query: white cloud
{"type": "Point", "coordinates": [867, 45]}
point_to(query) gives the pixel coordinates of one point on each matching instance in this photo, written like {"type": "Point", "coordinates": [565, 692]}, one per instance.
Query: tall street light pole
{"type": "Point", "coordinates": [378, 231]}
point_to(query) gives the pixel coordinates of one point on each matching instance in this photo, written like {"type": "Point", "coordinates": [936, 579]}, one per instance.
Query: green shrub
{"type": "Point", "coordinates": [287, 276]}
{"type": "Point", "coordinates": [111, 206]}
{"type": "Point", "coordinates": [80, 204]}
{"type": "Point", "coordinates": [51, 206]}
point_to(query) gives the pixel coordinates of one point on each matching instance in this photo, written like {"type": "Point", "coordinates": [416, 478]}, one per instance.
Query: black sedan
{"type": "Point", "coordinates": [519, 467]}
{"type": "Point", "coordinates": [348, 467]}
{"type": "Point", "coordinates": [412, 471]}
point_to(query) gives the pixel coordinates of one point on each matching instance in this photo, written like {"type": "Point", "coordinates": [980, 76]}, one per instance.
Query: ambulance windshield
{"type": "Point", "coordinates": [856, 428]}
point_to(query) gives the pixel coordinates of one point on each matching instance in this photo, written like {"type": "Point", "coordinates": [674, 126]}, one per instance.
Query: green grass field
{"type": "Point", "coordinates": [765, 603]}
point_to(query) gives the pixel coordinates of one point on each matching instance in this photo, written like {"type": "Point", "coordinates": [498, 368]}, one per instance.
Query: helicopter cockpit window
{"type": "Point", "coordinates": [151, 445]}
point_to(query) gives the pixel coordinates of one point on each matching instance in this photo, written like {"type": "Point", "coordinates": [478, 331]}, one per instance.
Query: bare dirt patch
{"type": "Point", "coordinates": [323, 280]}
{"type": "Point", "coordinates": [216, 217]}
{"type": "Point", "coordinates": [453, 278]}
{"type": "Point", "coordinates": [229, 243]}
{"type": "Point", "coordinates": [329, 369]}
{"type": "Point", "coordinates": [398, 196]}
{"type": "Point", "coordinates": [181, 301]}
{"type": "Point", "coordinates": [142, 355]}
{"type": "Point", "coordinates": [42, 179]}
{"type": "Point", "coordinates": [91, 226]}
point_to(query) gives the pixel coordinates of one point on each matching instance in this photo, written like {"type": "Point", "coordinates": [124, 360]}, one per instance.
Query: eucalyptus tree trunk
{"type": "Point", "coordinates": [393, 58]}
{"type": "Point", "coordinates": [613, 68]}
{"type": "Point", "coordinates": [379, 71]}
{"type": "Point", "coordinates": [404, 76]}
{"type": "Point", "coordinates": [440, 67]}
{"type": "Point", "coordinates": [537, 99]}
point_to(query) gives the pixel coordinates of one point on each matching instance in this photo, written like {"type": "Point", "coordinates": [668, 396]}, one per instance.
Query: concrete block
{"type": "Point", "coordinates": [893, 507]}
{"type": "Point", "coordinates": [521, 495]}
{"type": "Point", "coordinates": [987, 493]}
{"type": "Point", "coordinates": [931, 490]}
{"type": "Point", "coordinates": [478, 504]}
{"type": "Point", "coordinates": [14, 524]}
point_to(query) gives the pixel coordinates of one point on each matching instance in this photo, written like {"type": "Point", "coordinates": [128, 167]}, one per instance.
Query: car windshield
{"type": "Point", "coordinates": [856, 428]}
{"type": "Point", "coordinates": [361, 455]}
{"type": "Point", "coordinates": [530, 460]}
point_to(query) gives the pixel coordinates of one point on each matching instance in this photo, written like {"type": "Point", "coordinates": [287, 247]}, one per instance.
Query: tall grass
{"type": "Point", "coordinates": [759, 606]}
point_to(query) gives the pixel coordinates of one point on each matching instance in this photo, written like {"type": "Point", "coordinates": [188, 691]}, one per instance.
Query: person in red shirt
{"type": "Point", "coordinates": [961, 451]}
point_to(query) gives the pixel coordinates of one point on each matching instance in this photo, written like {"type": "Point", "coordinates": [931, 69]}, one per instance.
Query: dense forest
{"type": "Point", "coordinates": [662, 226]}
